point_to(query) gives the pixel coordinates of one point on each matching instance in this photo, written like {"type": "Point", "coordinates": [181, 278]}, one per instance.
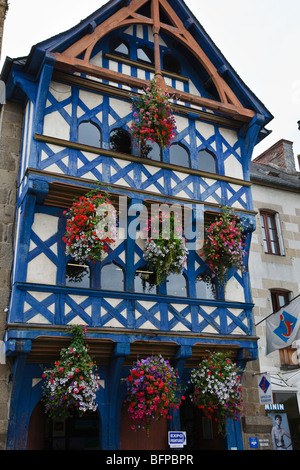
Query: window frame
{"type": "Point", "coordinates": [188, 153]}
{"type": "Point", "coordinates": [124, 132]}
{"type": "Point", "coordinates": [213, 158]}
{"type": "Point", "coordinates": [114, 43]}
{"type": "Point", "coordinates": [265, 228]}
{"type": "Point", "coordinates": [90, 123]}
{"type": "Point", "coordinates": [146, 49]}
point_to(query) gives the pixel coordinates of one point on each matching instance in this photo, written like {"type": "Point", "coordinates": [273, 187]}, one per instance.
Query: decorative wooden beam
{"type": "Point", "coordinates": [76, 65]}
{"type": "Point", "coordinates": [127, 16]}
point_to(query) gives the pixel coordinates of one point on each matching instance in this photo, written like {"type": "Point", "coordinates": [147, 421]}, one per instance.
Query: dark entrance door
{"type": "Point", "coordinates": [78, 433]}
{"type": "Point", "coordinates": [201, 432]}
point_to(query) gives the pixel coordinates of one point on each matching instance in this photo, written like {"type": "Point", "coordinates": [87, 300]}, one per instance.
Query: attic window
{"type": "Point", "coordinates": [144, 54]}
{"type": "Point", "coordinates": [118, 46]}
{"type": "Point", "coordinates": [171, 64]}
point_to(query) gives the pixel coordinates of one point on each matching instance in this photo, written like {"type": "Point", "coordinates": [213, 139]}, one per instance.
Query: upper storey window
{"type": "Point", "coordinates": [89, 134]}
{"type": "Point", "coordinates": [145, 54]}
{"type": "Point", "coordinates": [270, 233]}
{"type": "Point", "coordinates": [171, 64]}
{"type": "Point", "coordinates": [119, 47]}
{"type": "Point", "coordinates": [179, 155]}
{"type": "Point", "coordinates": [207, 161]}
{"type": "Point", "coordinates": [77, 275]}
{"type": "Point", "coordinates": [112, 277]}
{"type": "Point", "coordinates": [120, 141]}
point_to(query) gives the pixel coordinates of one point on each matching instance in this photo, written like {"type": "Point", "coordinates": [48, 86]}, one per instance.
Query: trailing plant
{"type": "Point", "coordinates": [91, 227]}
{"type": "Point", "coordinates": [217, 388]}
{"type": "Point", "coordinates": [71, 383]}
{"type": "Point", "coordinates": [153, 118]}
{"type": "Point", "coordinates": [152, 391]}
{"type": "Point", "coordinates": [165, 249]}
{"type": "Point", "coordinates": [224, 246]}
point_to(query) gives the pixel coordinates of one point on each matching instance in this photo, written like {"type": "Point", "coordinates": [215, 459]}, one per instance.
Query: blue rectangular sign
{"type": "Point", "coordinates": [177, 438]}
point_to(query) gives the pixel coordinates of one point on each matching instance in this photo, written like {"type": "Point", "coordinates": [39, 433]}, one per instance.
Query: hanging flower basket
{"type": "Point", "coordinates": [152, 391]}
{"type": "Point", "coordinates": [91, 227]}
{"type": "Point", "coordinates": [165, 250]}
{"type": "Point", "coordinates": [153, 119]}
{"type": "Point", "coordinates": [224, 246]}
{"type": "Point", "coordinates": [71, 384]}
{"type": "Point", "coordinates": [217, 389]}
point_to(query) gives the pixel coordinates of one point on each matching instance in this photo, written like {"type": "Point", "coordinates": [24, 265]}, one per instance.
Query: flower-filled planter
{"type": "Point", "coordinates": [152, 391]}
{"type": "Point", "coordinates": [165, 251]}
{"type": "Point", "coordinates": [224, 246]}
{"type": "Point", "coordinates": [91, 227]}
{"type": "Point", "coordinates": [153, 118]}
{"type": "Point", "coordinates": [217, 388]}
{"type": "Point", "coordinates": [71, 384]}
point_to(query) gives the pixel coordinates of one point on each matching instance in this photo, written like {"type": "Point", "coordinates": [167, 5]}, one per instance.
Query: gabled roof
{"type": "Point", "coordinates": [183, 25]}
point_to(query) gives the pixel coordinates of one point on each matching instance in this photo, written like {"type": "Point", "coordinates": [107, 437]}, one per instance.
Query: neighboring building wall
{"type": "Point", "coordinates": [273, 271]}
{"type": "Point", "coordinates": [275, 189]}
{"type": "Point", "coordinates": [10, 146]}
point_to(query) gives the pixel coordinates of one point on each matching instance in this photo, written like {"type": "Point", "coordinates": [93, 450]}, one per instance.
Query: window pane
{"type": "Point", "coordinates": [179, 155]}
{"type": "Point", "coordinates": [282, 300]}
{"type": "Point", "coordinates": [207, 161]}
{"type": "Point", "coordinates": [145, 54]}
{"type": "Point", "coordinates": [204, 290]}
{"type": "Point", "coordinates": [153, 151]}
{"type": "Point", "coordinates": [112, 277]}
{"type": "Point", "coordinates": [122, 49]}
{"type": "Point", "coordinates": [144, 282]}
{"type": "Point", "coordinates": [171, 64]}
{"type": "Point", "coordinates": [176, 285]}
{"type": "Point", "coordinates": [274, 248]}
{"type": "Point", "coordinates": [120, 141]}
{"type": "Point", "coordinates": [117, 46]}
{"type": "Point", "coordinates": [89, 134]}
{"type": "Point", "coordinates": [77, 275]}
{"type": "Point", "coordinates": [269, 234]}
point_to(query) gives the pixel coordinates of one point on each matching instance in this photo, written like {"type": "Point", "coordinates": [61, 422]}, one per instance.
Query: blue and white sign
{"type": "Point", "coordinates": [265, 389]}
{"type": "Point", "coordinates": [253, 441]}
{"type": "Point", "coordinates": [177, 438]}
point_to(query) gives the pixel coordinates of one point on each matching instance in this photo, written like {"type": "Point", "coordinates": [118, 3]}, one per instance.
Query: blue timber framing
{"type": "Point", "coordinates": [53, 162]}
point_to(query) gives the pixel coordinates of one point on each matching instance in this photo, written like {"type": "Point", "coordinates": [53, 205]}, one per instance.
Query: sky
{"type": "Point", "coordinates": [257, 38]}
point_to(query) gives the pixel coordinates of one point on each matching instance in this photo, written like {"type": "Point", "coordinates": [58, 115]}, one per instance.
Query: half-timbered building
{"type": "Point", "coordinates": [76, 90]}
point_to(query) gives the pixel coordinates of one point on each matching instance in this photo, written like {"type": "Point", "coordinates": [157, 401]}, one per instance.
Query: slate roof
{"type": "Point", "coordinates": [275, 177]}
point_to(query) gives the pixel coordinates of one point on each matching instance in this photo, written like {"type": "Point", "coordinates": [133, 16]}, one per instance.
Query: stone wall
{"type": "Point", "coordinates": [255, 424]}
{"type": "Point", "coordinates": [10, 147]}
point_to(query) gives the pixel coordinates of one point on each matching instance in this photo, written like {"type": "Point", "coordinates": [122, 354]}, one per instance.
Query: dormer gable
{"type": "Point", "coordinates": [216, 86]}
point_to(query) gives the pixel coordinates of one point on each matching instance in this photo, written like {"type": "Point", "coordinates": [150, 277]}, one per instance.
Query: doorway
{"type": "Point", "coordinates": [76, 433]}
{"type": "Point", "coordinates": [157, 439]}
{"type": "Point", "coordinates": [201, 432]}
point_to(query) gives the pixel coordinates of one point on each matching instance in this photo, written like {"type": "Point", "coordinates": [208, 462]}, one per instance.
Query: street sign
{"type": "Point", "coordinates": [177, 438]}
{"type": "Point", "coordinates": [253, 442]}
{"type": "Point", "coordinates": [264, 389]}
